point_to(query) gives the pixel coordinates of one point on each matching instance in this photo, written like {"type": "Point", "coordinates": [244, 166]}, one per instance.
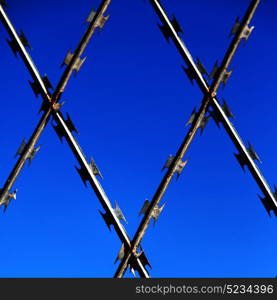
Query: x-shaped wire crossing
{"type": "Point", "coordinates": [64, 128]}
{"type": "Point", "coordinates": [220, 114]}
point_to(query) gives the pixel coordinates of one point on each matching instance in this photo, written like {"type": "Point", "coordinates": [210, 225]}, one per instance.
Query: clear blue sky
{"type": "Point", "coordinates": [130, 102]}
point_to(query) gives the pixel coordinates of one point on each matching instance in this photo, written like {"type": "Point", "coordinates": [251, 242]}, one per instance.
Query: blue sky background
{"type": "Point", "coordinates": [130, 102]}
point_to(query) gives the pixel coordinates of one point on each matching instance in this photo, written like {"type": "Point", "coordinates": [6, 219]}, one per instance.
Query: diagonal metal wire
{"type": "Point", "coordinates": [176, 161]}
{"type": "Point", "coordinates": [87, 171]}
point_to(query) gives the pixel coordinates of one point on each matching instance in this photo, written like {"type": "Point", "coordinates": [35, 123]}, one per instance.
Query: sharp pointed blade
{"type": "Point", "coordinates": [143, 259]}
{"type": "Point", "coordinates": [156, 212]}
{"type": "Point", "coordinates": [241, 160]}
{"type": "Point", "coordinates": [216, 117]}
{"type": "Point", "coordinates": [32, 154]}
{"type": "Point", "coordinates": [78, 64]}
{"type": "Point", "coordinates": [175, 24]}
{"type": "Point", "coordinates": [180, 167]}
{"type": "Point", "coordinates": [108, 220]}
{"type": "Point", "coordinates": [91, 16]}
{"type": "Point", "coordinates": [14, 194]}
{"type": "Point", "coordinates": [201, 67]}
{"type": "Point", "coordinates": [35, 87]}
{"type": "Point", "coordinates": [24, 40]}
{"type": "Point", "coordinates": [47, 82]}
{"type": "Point", "coordinates": [226, 76]}
{"type": "Point", "coordinates": [168, 162]}
{"type": "Point", "coordinates": [165, 31]}
{"type": "Point", "coordinates": [68, 58]}
{"type": "Point", "coordinates": [6, 199]}
{"type": "Point", "coordinates": [120, 254]}
{"type": "Point", "coordinates": [13, 45]}
{"type": "Point", "coordinates": [119, 213]}
{"type": "Point", "coordinates": [59, 131]}
{"type": "Point", "coordinates": [190, 73]}
{"type": "Point", "coordinates": [214, 72]}
{"type": "Point", "coordinates": [246, 32]}
{"type": "Point", "coordinates": [203, 123]}
{"type": "Point", "coordinates": [227, 110]}
{"type": "Point", "coordinates": [253, 153]}
{"type": "Point", "coordinates": [133, 264]}
{"type": "Point", "coordinates": [95, 169]}
{"type": "Point", "coordinates": [192, 117]}
{"type": "Point", "coordinates": [133, 271]}
{"type": "Point", "coordinates": [71, 127]}
{"type": "Point", "coordinates": [144, 207]}
{"type": "Point", "coordinates": [21, 148]}
{"type": "Point", "coordinates": [268, 205]}
{"type": "Point", "coordinates": [44, 106]}
{"type": "Point", "coordinates": [83, 174]}
{"type": "Point", "coordinates": [235, 27]}
{"type": "Point", "coordinates": [102, 21]}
